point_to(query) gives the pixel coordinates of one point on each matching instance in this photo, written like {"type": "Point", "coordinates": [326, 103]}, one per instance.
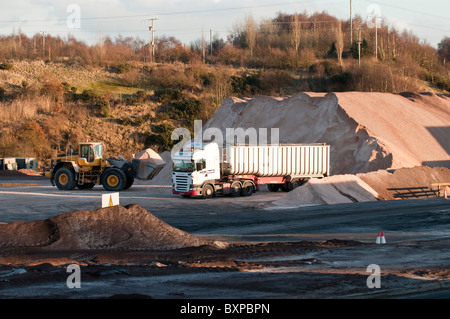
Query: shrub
{"type": "Point", "coordinates": [187, 110]}
{"type": "Point", "coordinates": [52, 88]}
{"type": "Point", "coordinates": [246, 84]}
{"type": "Point", "coordinates": [168, 76]}
{"type": "Point", "coordinates": [121, 68]}
{"type": "Point", "coordinates": [137, 98]}
{"type": "Point", "coordinates": [6, 66]}
{"type": "Point", "coordinates": [162, 137]}
{"type": "Point", "coordinates": [2, 92]}
{"type": "Point", "coordinates": [103, 106]}
{"type": "Point", "coordinates": [126, 120]}
{"type": "Point", "coordinates": [89, 96]}
{"type": "Point", "coordinates": [33, 138]}
{"type": "Point", "coordinates": [167, 95]}
{"type": "Point", "coordinates": [275, 82]}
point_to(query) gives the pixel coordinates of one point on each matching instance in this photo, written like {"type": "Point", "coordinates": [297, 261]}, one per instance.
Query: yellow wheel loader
{"type": "Point", "coordinates": [87, 167]}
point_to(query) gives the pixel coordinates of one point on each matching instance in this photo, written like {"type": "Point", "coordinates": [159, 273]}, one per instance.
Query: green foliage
{"type": "Point", "coordinates": [88, 96]}
{"type": "Point", "coordinates": [246, 84]}
{"type": "Point", "coordinates": [185, 111]}
{"type": "Point", "coordinates": [137, 98]}
{"type": "Point", "coordinates": [2, 92]}
{"type": "Point", "coordinates": [6, 66]}
{"type": "Point", "coordinates": [167, 95]}
{"type": "Point", "coordinates": [207, 79]}
{"type": "Point", "coordinates": [121, 68]}
{"type": "Point", "coordinates": [162, 137]}
{"type": "Point", "coordinates": [103, 106]}
{"type": "Point", "coordinates": [364, 49]}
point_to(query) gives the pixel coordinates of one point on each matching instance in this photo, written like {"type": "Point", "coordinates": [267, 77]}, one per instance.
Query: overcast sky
{"type": "Point", "coordinates": [187, 20]}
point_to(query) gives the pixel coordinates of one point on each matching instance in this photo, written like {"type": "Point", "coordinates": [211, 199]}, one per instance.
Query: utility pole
{"type": "Point", "coordinates": [152, 30]}
{"type": "Point", "coordinates": [351, 24]}
{"type": "Point", "coordinates": [203, 47]}
{"type": "Point", "coordinates": [210, 41]}
{"type": "Point", "coordinates": [359, 47]}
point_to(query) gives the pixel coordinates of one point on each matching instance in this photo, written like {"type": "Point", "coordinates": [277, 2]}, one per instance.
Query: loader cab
{"type": "Point", "coordinates": [92, 152]}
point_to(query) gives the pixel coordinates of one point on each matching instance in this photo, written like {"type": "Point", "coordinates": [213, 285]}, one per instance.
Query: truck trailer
{"type": "Point", "coordinates": [241, 170]}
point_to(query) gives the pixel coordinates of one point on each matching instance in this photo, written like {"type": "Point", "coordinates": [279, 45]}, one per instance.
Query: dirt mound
{"type": "Point", "coordinates": [406, 182]}
{"type": "Point", "coordinates": [402, 183]}
{"type": "Point", "coordinates": [116, 227]}
{"type": "Point", "coordinates": [329, 190]}
{"type": "Point", "coordinates": [23, 172]}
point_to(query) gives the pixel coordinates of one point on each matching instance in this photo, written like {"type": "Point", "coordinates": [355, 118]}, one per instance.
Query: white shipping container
{"type": "Point", "coordinates": [299, 160]}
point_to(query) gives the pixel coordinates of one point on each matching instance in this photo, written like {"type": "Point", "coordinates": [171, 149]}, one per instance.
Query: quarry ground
{"type": "Point", "coordinates": [320, 251]}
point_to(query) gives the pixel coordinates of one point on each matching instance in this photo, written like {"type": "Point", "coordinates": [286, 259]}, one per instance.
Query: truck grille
{"type": "Point", "coordinates": [182, 182]}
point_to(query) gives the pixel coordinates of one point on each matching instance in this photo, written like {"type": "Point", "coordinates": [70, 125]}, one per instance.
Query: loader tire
{"type": "Point", "coordinates": [65, 179]}
{"type": "Point", "coordinates": [129, 183]}
{"type": "Point", "coordinates": [86, 186]}
{"type": "Point", "coordinates": [114, 180]}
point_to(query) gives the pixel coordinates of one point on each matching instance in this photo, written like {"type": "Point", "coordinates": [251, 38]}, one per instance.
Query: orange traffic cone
{"type": "Point", "coordinates": [380, 238]}
{"type": "Point", "coordinates": [383, 240]}
{"type": "Point", "coordinates": [378, 241]}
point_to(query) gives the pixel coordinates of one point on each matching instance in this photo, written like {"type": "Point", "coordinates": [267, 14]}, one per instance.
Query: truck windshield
{"type": "Point", "coordinates": [183, 166]}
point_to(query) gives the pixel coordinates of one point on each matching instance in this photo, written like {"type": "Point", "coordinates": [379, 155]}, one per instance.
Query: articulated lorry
{"type": "Point", "coordinates": [237, 170]}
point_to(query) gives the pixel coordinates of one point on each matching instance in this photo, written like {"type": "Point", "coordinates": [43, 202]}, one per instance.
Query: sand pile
{"type": "Point", "coordinates": [392, 184]}
{"type": "Point", "coordinates": [149, 163]}
{"type": "Point", "coordinates": [402, 183]}
{"type": "Point", "coordinates": [164, 176]}
{"type": "Point", "coordinates": [366, 131]}
{"type": "Point", "coordinates": [329, 190]}
{"type": "Point", "coordinates": [414, 128]}
{"type": "Point", "coordinates": [304, 119]}
{"type": "Point", "coordinates": [130, 227]}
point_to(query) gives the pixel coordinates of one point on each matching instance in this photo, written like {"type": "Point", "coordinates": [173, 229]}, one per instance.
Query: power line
{"type": "Point", "coordinates": [169, 13]}
{"type": "Point", "coordinates": [409, 10]}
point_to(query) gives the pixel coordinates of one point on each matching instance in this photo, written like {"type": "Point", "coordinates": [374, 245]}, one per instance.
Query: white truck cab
{"type": "Point", "coordinates": [193, 167]}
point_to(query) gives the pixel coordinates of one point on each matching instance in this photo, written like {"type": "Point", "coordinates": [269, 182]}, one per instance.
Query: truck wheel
{"type": "Point", "coordinates": [247, 189]}
{"type": "Point", "coordinates": [207, 191]}
{"type": "Point", "coordinates": [86, 186]}
{"type": "Point", "coordinates": [293, 185]}
{"type": "Point", "coordinates": [273, 187]}
{"type": "Point", "coordinates": [235, 189]}
{"type": "Point", "coordinates": [114, 179]}
{"type": "Point", "coordinates": [65, 179]}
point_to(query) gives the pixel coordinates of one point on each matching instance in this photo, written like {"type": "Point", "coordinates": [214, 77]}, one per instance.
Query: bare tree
{"type": "Point", "coordinates": [339, 42]}
{"type": "Point", "coordinates": [296, 33]}
{"type": "Point", "coordinates": [250, 31]}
